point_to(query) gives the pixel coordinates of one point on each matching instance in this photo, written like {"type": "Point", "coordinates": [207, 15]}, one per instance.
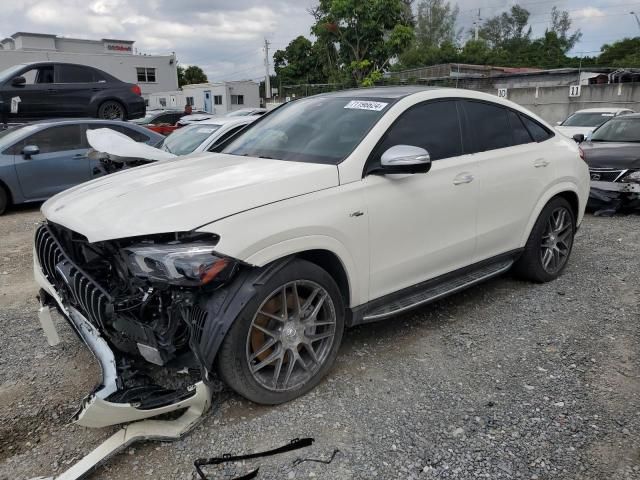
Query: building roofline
{"type": "Point", "coordinates": [19, 34]}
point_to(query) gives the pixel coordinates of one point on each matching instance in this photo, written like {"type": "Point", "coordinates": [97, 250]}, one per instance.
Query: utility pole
{"type": "Point", "coordinates": [267, 78]}
{"type": "Point", "coordinates": [476, 24]}
{"type": "Point", "coordinates": [636, 17]}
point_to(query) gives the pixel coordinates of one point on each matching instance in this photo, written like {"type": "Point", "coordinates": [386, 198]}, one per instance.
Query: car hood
{"type": "Point", "coordinates": [611, 154]}
{"type": "Point", "coordinates": [571, 131]}
{"type": "Point", "coordinates": [182, 194]}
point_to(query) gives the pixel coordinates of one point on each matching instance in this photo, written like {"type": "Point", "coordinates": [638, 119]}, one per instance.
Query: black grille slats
{"type": "Point", "coordinates": [87, 295]}
{"type": "Point", "coordinates": [605, 175]}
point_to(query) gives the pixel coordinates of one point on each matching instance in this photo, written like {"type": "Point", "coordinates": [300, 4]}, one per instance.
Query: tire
{"type": "Point", "coordinates": [263, 373]}
{"type": "Point", "coordinates": [549, 246]}
{"type": "Point", "coordinates": [4, 200]}
{"type": "Point", "coordinates": [112, 110]}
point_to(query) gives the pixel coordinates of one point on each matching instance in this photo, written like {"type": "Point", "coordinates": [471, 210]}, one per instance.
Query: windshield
{"type": "Point", "coordinates": [315, 130]}
{"type": "Point", "coordinates": [10, 72]}
{"type": "Point", "coordinates": [587, 119]}
{"type": "Point", "coordinates": [185, 140]}
{"type": "Point", "coordinates": [618, 130]}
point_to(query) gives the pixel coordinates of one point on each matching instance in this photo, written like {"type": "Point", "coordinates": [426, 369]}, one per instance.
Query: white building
{"type": "Point", "coordinates": [153, 73]}
{"type": "Point", "coordinates": [219, 98]}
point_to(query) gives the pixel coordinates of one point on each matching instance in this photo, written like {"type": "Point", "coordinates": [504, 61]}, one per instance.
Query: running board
{"type": "Point", "coordinates": [434, 291]}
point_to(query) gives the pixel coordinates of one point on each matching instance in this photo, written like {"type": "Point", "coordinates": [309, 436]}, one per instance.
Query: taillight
{"type": "Point", "coordinates": [581, 153]}
{"type": "Point", "coordinates": [136, 89]}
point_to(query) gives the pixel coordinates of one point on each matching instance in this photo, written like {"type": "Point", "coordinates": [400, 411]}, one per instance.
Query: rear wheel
{"type": "Point", "coordinates": [286, 338]}
{"type": "Point", "coordinates": [4, 200]}
{"type": "Point", "coordinates": [111, 110]}
{"type": "Point", "coordinates": [549, 245]}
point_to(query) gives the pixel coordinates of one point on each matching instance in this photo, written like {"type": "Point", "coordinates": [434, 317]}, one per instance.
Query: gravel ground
{"type": "Point", "coordinates": [506, 380]}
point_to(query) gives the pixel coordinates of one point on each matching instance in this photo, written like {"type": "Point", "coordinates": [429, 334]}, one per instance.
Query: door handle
{"type": "Point", "coordinates": [462, 178]}
{"type": "Point", "coordinates": [540, 162]}
{"type": "Point", "coordinates": [80, 156]}
{"type": "Point", "coordinates": [97, 89]}
{"type": "Point", "coordinates": [51, 90]}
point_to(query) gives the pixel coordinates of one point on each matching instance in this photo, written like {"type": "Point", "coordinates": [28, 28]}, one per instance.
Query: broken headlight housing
{"type": "Point", "coordinates": [184, 264]}
{"type": "Point", "coordinates": [633, 177]}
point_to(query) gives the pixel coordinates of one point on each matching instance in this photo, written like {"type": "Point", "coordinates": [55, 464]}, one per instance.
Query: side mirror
{"type": "Point", "coordinates": [559, 122]}
{"type": "Point", "coordinates": [18, 81]}
{"type": "Point", "coordinates": [405, 159]}
{"type": "Point", "coordinates": [29, 151]}
{"type": "Point", "coordinates": [578, 137]}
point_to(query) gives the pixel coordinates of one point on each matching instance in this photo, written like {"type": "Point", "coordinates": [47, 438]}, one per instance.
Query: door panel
{"type": "Point", "coordinates": [73, 88]}
{"type": "Point", "coordinates": [513, 172]}
{"type": "Point", "coordinates": [35, 94]}
{"type": "Point", "coordinates": [421, 225]}
{"type": "Point", "coordinates": [61, 163]}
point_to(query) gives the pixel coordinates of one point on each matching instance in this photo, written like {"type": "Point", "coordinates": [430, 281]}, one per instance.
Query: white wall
{"type": "Point", "coordinates": [122, 67]}
{"type": "Point", "coordinates": [248, 89]}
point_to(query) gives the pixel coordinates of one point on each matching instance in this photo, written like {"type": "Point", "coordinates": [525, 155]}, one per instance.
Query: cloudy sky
{"type": "Point", "coordinates": [225, 37]}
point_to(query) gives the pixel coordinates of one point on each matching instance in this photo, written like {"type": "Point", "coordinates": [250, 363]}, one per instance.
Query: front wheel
{"type": "Point", "coordinates": [286, 338]}
{"type": "Point", "coordinates": [111, 110]}
{"type": "Point", "coordinates": [549, 245]}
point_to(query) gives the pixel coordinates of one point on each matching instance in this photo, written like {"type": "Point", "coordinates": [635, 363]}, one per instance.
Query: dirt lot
{"type": "Point", "coordinates": [506, 380]}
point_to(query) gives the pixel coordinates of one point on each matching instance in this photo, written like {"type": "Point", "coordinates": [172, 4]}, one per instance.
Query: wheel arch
{"type": "Point", "coordinates": [324, 251]}
{"type": "Point", "coordinates": [5, 187]}
{"type": "Point", "coordinates": [568, 191]}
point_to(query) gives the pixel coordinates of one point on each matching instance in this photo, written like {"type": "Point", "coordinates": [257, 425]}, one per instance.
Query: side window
{"type": "Point", "coordinates": [434, 126]}
{"type": "Point", "coordinates": [224, 137]}
{"type": "Point", "coordinates": [129, 132]}
{"type": "Point", "coordinates": [74, 74]}
{"type": "Point", "coordinates": [57, 139]}
{"type": "Point", "coordinates": [166, 118]}
{"type": "Point", "coordinates": [489, 125]}
{"type": "Point", "coordinates": [39, 75]}
{"type": "Point", "coordinates": [537, 131]}
{"type": "Point", "coordinates": [520, 133]}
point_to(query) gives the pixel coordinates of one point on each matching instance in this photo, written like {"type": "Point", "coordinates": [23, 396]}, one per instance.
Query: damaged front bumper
{"type": "Point", "coordinates": [612, 197]}
{"type": "Point", "coordinates": [96, 410]}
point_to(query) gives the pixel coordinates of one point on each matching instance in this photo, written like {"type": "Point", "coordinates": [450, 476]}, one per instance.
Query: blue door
{"type": "Point", "coordinates": [60, 164]}
{"type": "Point", "coordinates": [207, 101]}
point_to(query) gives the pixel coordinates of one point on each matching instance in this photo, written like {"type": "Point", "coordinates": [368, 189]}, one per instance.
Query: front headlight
{"type": "Point", "coordinates": [633, 177]}
{"type": "Point", "coordinates": [186, 264]}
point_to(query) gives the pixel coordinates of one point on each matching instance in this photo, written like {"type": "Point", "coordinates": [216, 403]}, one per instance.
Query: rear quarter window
{"type": "Point", "coordinates": [537, 131]}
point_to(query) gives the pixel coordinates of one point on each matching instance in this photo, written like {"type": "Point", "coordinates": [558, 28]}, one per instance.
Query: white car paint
{"type": "Point", "coordinates": [569, 132]}
{"type": "Point", "coordinates": [388, 231]}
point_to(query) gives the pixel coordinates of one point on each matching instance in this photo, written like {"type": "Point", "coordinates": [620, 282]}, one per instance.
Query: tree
{"type": "Point", "coordinates": [180, 71]}
{"type": "Point", "coordinates": [298, 63]}
{"type": "Point", "coordinates": [369, 34]}
{"type": "Point", "coordinates": [560, 25]}
{"type": "Point", "coordinates": [507, 28]}
{"type": "Point", "coordinates": [623, 53]}
{"type": "Point", "coordinates": [436, 37]}
{"type": "Point", "coordinates": [190, 75]}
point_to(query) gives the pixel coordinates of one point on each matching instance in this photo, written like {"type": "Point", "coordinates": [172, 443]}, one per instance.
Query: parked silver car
{"type": "Point", "coordinates": [40, 159]}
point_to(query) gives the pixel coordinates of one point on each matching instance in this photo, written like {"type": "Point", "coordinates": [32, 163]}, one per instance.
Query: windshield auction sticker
{"type": "Point", "coordinates": [365, 105]}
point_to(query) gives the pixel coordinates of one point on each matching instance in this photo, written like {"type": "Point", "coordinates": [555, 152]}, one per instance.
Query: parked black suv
{"type": "Point", "coordinates": [48, 90]}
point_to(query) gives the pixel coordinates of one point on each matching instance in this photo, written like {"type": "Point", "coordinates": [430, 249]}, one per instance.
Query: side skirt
{"type": "Point", "coordinates": [432, 290]}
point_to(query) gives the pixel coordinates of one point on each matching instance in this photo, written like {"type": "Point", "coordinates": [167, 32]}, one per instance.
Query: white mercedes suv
{"type": "Point", "coordinates": [328, 212]}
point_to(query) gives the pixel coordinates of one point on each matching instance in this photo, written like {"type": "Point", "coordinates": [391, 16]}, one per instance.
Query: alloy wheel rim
{"type": "Point", "coordinates": [112, 111]}
{"type": "Point", "coordinates": [291, 335]}
{"type": "Point", "coordinates": [556, 240]}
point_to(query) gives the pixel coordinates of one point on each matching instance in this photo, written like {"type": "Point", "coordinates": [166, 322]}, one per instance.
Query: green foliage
{"type": "Point", "coordinates": [368, 33]}
{"type": "Point", "coordinates": [190, 75]}
{"type": "Point", "coordinates": [356, 41]}
{"type": "Point", "coordinates": [624, 53]}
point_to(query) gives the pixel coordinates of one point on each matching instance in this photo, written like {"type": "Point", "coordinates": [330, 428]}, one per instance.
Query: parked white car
{"type": "Point", "coordinates": [205, 135]}
{"type": "Point", "coordinates": [199, 117]}
{"type": "Point", "coordinates": [332, 211]}
{"type": "Point", "coordinates": [586, 121]}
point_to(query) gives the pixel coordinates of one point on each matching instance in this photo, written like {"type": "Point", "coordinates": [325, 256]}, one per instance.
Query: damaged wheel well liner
{"type": "Point", "coordinates": [216, 313]}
